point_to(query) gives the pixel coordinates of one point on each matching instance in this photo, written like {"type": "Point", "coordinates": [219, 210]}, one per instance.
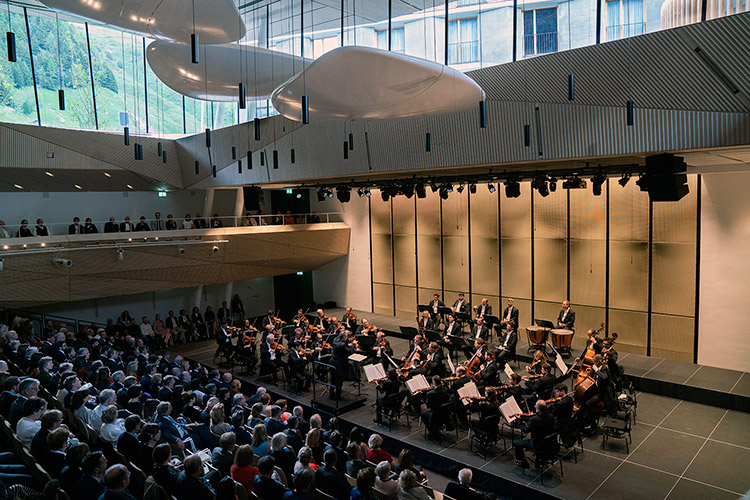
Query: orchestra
{"type": "Point", "coordinates": [483, 366]}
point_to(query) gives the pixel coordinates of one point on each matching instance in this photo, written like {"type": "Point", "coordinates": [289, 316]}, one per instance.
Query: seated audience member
{"type": "Point", "coordinates": [365, 485]}
{"type": "Point", "coordinates": [190, 483]}
{"type": "Point", "coordinates": [40, 229]}
{"type": "Point", "coordinates": [293, 436]}
{"type": "Point", "coordinates": [72, 472]}
{"type": "Point", "coordinates": [126, 226]}
{"type": "Point", "coordinates": [89, 227]}
{"type": "Point", "coordinates": [165, 474]}
{"type": "Point", "coordinates": [107, 398]}
{"type": "Point", "coordinates": [9, 395]}
{"type": "Point", "coordinates": [242, 435]}
{"type": "Point", "coordinates": [226, 489]}
{"type": "Point", "coordinates": [4, 231]}
{"type": "Point", "coordinates": [355, 462]}
{"type": "Point", "coordinates": [330, 480]}
{"type": "Point", "coordinates": [148, 438]}
{"type": "Point", "coordinates": [315, 443]}
{"type": "Point", "coordinates": [128, 443]}
{"type": "Point", "coordinates": [461, 489]}
{"type": "Point", "coordinates": [91, 484]}
{"type": "Point", "coordinates": [112, 426]}
{"type": "Point", "coordinates": [242, 470]}
{"type": "Point", "coordinates": [284, 456]}
{"type": "Point", "coordinates": [51, 420]}
{"type": "Point", "coordinates": [111, 226]}
{"type": "Point", "coordinates": [304, 460]}
{"type": "Point", "coordinates": [383, 480]}
{"type": "Point", "coordinates": [116, 481]}
{"type": "Point", "coordinates": [222, 457]}
{"type": "Point", "coordinates": [266, 487]}
{"type": "Point", "coordinates": [406, 462]}
{"type": "Point", "coordinates": [142, 225]}
{"type": "Point", "coordinates": [260, 442]}
{"type": "Point", "coordinates": [27, 388]}
{"type": "Point", "coordinates": [303, 485]}
{"type": "Point", "coordinates": [57, 441]}
{"type": "Point", "coordinates": [24, 231]}
{"type": "Point", "coordinates": [409, 488]}
{"type": "Point", "coordinates": [30, 423]}
{"type": "Point", "coordinates": [376, 454]}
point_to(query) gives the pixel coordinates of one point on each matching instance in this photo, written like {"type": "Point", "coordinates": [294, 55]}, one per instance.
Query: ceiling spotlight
{"type": "Point", "coordinates": [461, 188]}
{"type": "Point", "coordinates": [343, 194]}
{"type": "Point", "coordinates": [512, 188]}
{"type": "Point", "coordinates": [62, 262]}
{"type": "Point", "coordinates": [299, 194]}
{"type": "Point", "coordinates": [491, 187]}
{"type": "Point", "coordinates": [329, 193]}
{"type": "Point", "coordinates": [574, 183]}
{"type": "Point", "coordinates": [360, 193]}
{"type": "Point", "coordinates": [5, 247]}
{"type": "Point", "coordinates": [18, 186]}
{"type": "Point", "coordinates": [596, 183]}
{"type": "Point", "coordinates": [642, 182]}
{"type": "Point", "coordinates": [552, 184]}
{"type": "Point", "coordinates": [384, 194]}
{"type": "Point", "coordinates": [215, 248]}
{"type": "Point", "coordinates": [77, 186]}
{"type": "Point", "coordinates": [120, 254]}
{"type": "Point", "coordinates": [433, 186]}
{"type": "Point", "coordinates": [419, 189]}
{"type": "Point", "coordinates": [543, 189]}
{"type": "Point", "coordinates": [473, 188]}
{"type": "Point", "coordinates": [408, 190]}
{"type": "Point", "coordinates": [321, 195]}
{"type": "Point", "coordinates": [449, 187]}
{"type": "Point", "coordinates": [181, 250]}
{"type": "Point", "coordinates": [624, 179]}
{"type": "Point", "coordinates": [129, 186]}
{"type": "Point", "coordinates": [43, 245]}
{"type": "Point", "coordinates": [367, 192]}
{"type": "Point", "coordinates": [49, 173]}
{"type": "Point", "coordinates": [107, 174]}
{"type": "Point", "coordinates": [444, 193]}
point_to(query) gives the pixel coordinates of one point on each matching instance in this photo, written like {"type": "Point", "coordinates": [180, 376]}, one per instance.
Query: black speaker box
{"type": "Point", "coordinates": [666, 177]}
{"type": "Point", "coordinates": [252, 198]}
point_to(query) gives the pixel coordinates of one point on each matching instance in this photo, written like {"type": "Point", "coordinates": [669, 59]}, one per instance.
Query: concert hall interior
{"type": "Point", "coordinates": [509, 236]}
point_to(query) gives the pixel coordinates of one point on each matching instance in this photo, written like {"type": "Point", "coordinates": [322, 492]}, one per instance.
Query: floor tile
{"type": "Point", "coordinates": [722, 465]}
{"type": "Point", "coordinates": [637, 365]}
{"type": "Point", "coordinates": [717, 379]}
{"type": "Point", "coordinates": [672, 371]}
{"type": "Point", "coordinates": [734, 428]}
{"type": "Point", "coordinates": [667, 450]}
{"type": "Point", "coordinates": [653, 408]}
{"type": "Point", "coordinates": [580, 478]}
{"type": "Point", "coordinates": [633, 482]}
{"type": "Point", "coordinates": [616, 447]}
{"type": "Point", "coordinates": [694, 418]}
{"type": "Point", "coordinates": [686, 489]}
{"type": "Point", "coordinates": [743, 386]}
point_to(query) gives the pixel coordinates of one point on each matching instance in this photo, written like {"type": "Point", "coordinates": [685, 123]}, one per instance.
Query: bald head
{"type": "Point", "coordinates": [117, 478]}
{"type": "Point", "coordinates": [193, 465]}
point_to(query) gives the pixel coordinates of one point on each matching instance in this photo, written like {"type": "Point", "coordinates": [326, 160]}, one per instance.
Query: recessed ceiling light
{"type": "Point", "coordinates": [18, 186]}
{"type": "Point", "coordinates": [5, 247]}
{"type": "Point", "coordinates": [24, 245]}
{"type": "Point", "coordinates": [44, 245]}
{"type": "Point", "coordinates": [129, 186]}
{"type": "Point", "coordinates": [156, 238]}
{"type": "Point", "coordinates": [107, 174]}
{"type": "Point", "coordinates": [49, 173]}
{"type": "Point", "coordinates": [77, 186]}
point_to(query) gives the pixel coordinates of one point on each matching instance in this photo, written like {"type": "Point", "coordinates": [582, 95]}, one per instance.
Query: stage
{"type": "Point", "coordinates": [680, 448]}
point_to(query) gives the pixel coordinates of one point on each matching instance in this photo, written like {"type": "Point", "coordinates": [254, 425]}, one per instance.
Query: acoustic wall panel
{"type": "Point", "coordinates": [428, 262]}
{"type": "Point", "coordinates": [524, 312]}
{"type": "Point", "coordinates": [455, 214]}
{"type": "Point", "coordinates": [484, 215]}
{"type": "Point", "coordinates": [515, 255]}
{"type": "Point", "coordinates": [547, 310]}
{"type": "Point", "coordinates": [675, 222]}
{"type": "Point", "coordinates": [587, 318]}
{"type": "Point", "coordinates": [380, 213]}
{"type": "Point", "coordinates": [674, 278]}
{"type": "Point", "coordinates": [551, 215]}
{"type": "Point", "coordinates": [485, 263]}
{"type": "Point", "coordinates": [631, 328]}
{"type": "Point", "coordinates": [628, 275]}
{"type": "Point", "coordinates": [382, 264]}
{"type": "Point", "coordinates": [588, 272]}
{"type": "Point", "coordinates": [406, 302]}
{"type": "Point", "coordinates": [672, 337]}
{"type": "Point", "coordinates": [628, 213]}
{"type": "Point", "coordinates": [405, 260]}
{"type": "Point", "coordinates": [403, 215]}
{"type": "Point", "coordinates": [425, 295]}
{"type": "Point", "coordinates": [382, 298]}
{"type": "Point", "coordinates": [515, 213]}
{"type": "Point", "coordinates": [428, 214]}
{"type": "Point", "coordinates": [550, 270]}
{"type": "Point", "coordinates": [588, 214]}
{"type": "Point", "coordinates": [456, 263]}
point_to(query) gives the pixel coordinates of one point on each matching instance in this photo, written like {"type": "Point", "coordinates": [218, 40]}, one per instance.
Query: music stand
{"type": "Point", "coordinates": [544, 323]}
{"type": "Point", "coordinates": [432, 335]}
{"type": "Point", "coordinates": [424, 307]}
{"type": "Point", "coordinates": [442, 310]}
{"type": "Point", "coordinates": [462, 318]}
{"type": "Point", "coordinates": [491, 320]}
{"type": "Point", "coordinates": [409, 331]}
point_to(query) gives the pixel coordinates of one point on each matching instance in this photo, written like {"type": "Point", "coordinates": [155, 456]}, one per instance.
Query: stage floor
{"type": "Point", "coordinates": [679, 450]}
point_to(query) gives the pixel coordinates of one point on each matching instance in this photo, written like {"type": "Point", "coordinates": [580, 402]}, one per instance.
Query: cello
{"type": "Point", "coordinates": [585, 385]}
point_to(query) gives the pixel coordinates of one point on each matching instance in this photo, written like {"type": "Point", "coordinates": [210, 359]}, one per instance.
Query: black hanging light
{"type": "Point", "coordinates": [239, 166]}
{"type": "Point", "coordinates": [60, 90]}
{"type": "Point", "coordinates": [346, 150]}
{"type": "Point", "coordinates": [194, 50]}
{"type": "Point", "coordinates": [249, 160]}
{"type": "Point", "coordinates": [351, 141]}
{"type": "Point", "coordinates": [571, 87]}
{"type": "Point", "coordinates": [159, 148]}
{"type": "Point", "coordinates": [234, 153]}
{"type": "Point", "coordinates": [208, 137]}
{"type": "Point", "coordinates": [256, 123]}
{"type": "Point", "coordinates": [197, 167]}
{"type": "Point", "coordinates": [293, 156]}
{"type": "Point", "coordinates": [527, 135]}
{"type": "Point", "coordinates": [629, 110]}
{"type": "Point", "coordinates": [10, 38]}
{"type": "Point", "coordinates": [126, 135]}
{"type": "Point", "coordinates": [262, 158]}
{"type": "Point", "coordinates": [275, 157]}
{"type": "Point", "coordinates": [482, 114]}
{"type": "Point", "coordinates": [164, 156]}
{"type": "Point", "coordinates": [428, 142]}
{"type": "Point", "coordinates": [305, 110]}
{"type": "Point", "coordinates": [241, 95]}
{"type": "Point", "coordinates": [213, 171]}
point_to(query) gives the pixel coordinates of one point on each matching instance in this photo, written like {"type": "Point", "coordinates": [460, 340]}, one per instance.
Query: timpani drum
{"type": "Point", "coordinates": [537, 336]}
{"type": "Point", "coordinates": [562, 339]}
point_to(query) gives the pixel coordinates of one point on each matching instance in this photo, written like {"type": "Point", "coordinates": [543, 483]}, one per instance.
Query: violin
{"type": "Point", "coordinates": [532, 365]}
{"type": "Point", "coordinates": [532, 377]}
{"type": "Point", "coordinates": [350, 317]}
{"type": "Point", "coordinates": [525, 416]}
{"type": "Point", "coordinates": [554, 400]}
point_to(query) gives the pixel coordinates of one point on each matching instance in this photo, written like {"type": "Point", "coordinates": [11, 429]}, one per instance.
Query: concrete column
{"type": "Point", "coordinates": [239, 207]}
{"type": "Point", "coordinates": [228, 287]}
{"type": "Point", "coordinates": [198, 296]}
{"type": "Point", "coordinates": [208, 204]}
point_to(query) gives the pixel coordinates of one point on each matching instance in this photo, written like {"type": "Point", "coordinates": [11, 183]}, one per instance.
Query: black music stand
{"type": "Point", "coordinates": [544, 323]}
{"type": "Point", "coordinates": [409, 331]}
{"type": "Point", "coordinates": [424, 307]}
{"type": "Point", "coordinates": [442, 310]}
{"type": "Point", "coordinates": [491, 320]}
{"type": "Point", "coordinates": [462, 318]}
{"type": "Point", "coordinates": [432, 335]}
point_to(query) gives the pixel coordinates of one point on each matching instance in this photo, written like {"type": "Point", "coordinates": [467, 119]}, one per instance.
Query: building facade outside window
{"type": "Point", "coordinates": [463, 41]}
{"type": "Point", "coordinates": [398, 40]}
{"type": "Point", "coordinates": [539, 31]}
{"type": "Point", "coordinates": [625, 18]}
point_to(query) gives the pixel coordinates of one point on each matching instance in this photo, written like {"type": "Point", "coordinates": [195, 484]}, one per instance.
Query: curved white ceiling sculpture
{"type": "Point", "coordinates": [216, 21]}
{"type": "Point", "coordinates": [171, 63]}
{"type": "Point", "coordinates": [367, 83]}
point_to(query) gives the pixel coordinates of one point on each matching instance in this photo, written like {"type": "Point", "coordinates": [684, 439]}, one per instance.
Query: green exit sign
{"type": "Point", "coordinates": [162, 194]}
{"type": "Point", "coordinates": [288, 191]}
{"type": "Point", "coordinates": [299, 273]}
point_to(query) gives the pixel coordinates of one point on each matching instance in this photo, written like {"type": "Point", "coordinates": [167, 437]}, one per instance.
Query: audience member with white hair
{"type": "Point", "coordinates": [383, 480]}
{"type": "Point", "coordinates": [462, 489]}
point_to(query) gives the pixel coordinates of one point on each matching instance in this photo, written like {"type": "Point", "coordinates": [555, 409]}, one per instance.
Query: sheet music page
{"type": "Point", "coordinates": [450, 364]}
{"type": "Point", "coordinates": [510, 409]}
{"type": "Point", "coordinates": [374, 372]}
{"type": "Point", "coordinates": [469, 391]}
{"type": "Point", "coordinates": [357, 357]}
{"type": "Point", "coordinates": [415, 384]}
{"type": "Point", "coordinates": [560, 363]}
{"type": "Point", "coordinates": [508, 371]}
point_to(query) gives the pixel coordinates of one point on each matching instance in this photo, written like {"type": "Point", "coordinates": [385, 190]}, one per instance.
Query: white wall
{"type": "Point", "coordinates": [724, 329]}
{"type": "Point", "coordinates": [347, 280]}
{"type": "Point", "coordinates": [100, 206]}
{"type": "Point", "coordinates": [256, 294]}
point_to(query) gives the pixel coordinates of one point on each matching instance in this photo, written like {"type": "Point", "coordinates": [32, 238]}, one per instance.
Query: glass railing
{"type": "Point", "coordinates": [174, 224]}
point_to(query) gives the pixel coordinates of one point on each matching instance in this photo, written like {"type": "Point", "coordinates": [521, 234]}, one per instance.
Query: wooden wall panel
{"type": "Point", "coordinates": [428, 262]}
{"type": "Point", "coordinates": [587, 272]}
{"type": "Point", "coordinates": [674, 278]}
{"type": "Point", "coordinates": [382, 298]}
{"type": "Point", "coordinates": [456, 263]}
{"type": "Point", "coordinates": [515, 255]}
{"type": "Point", "coordinates": [628, 275]}
{"type": "Point", "coordinates": [550, 270]}
{"type": "Point", "coordinates": [382, 263]}
{"type": "Point", "coordinates": [406, 302]}
{"type": "Point", "coordinates": [405, 260]}
{"type": "Point", "coordinates": [631, 328]}
{"type": "Point", "coordinates": [672, 337]}
{"type": "Point", "coordinates": [485, 260]}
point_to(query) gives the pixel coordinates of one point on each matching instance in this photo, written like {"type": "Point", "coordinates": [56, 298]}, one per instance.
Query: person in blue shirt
{"type": "Point", "coordinates": [117, 480]}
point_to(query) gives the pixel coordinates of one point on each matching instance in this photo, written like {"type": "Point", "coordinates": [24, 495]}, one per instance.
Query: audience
{"type": "Point", "coordinates": [222, 457]}
{"type": "Point", "coordinates": [461, 489]}
{"type": "Point", "coordinates": [365, 485]}
{"type": "Point", "coordinates": [266, 486]}
{"type": "Point", "coordinates": [409, 488]}
{"type": "Point", "coordinates": [29, 424]}
{"type": "Point", "coordinates": [375, 454]}
{"type": "Point", "coordinates": [383, 480]}
{"type": "Point", "coordinates": [190, 483]}
{"type": "Point", "coordinates": [90, 486]}
{"type": "Point", "coordinates": [116, 481]}
{"type": "Point", "coordinates": [242, 470]}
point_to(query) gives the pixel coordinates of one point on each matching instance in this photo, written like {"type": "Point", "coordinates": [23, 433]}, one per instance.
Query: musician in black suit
{"type": "Point", "coordinates": [23, 230]}
{"type": "Point", "coordinates": [392, 394]}
{"type": "Point", "coordinates": [379, 350]}
{"type": "Point", "coordinates": [415, 352]}
{"type": "Point", "coordinates": [452, 328]}
{"type": "Point", "coordinates": [434, 305]}
{"type": "Point", "coordinates": [461, 305]}
{"type": "Point", "coordinates": [507, 344]}
{"type": "Point", "coordinates": [567, 317]}
{"type": "Point", "coordinates": [437, 412]}
{"type": "Point", "coordinates": [541, 388]}
{"type": "Point", "coordinates": [510, 314]}
{"type": "Point", "coordinates": [593, 342]}
{"type": "Point", "coordinates": [540, 426]}
{"type": "Point", "coordinates": [490, 374]}
{"type": "Point", "coordinates": [483, 309]}
{"type": "Point", "coordinates": [480, 330]}
{"type": "Point", "coordinates": [270, 358]}
{"type": "Point", "coordinates": [425, 322]}
{"type": "Point", "coordinates": [111, 226]}
{"type": "Point", "coordinates": [341, 350]}
{"type": "Point", "coordinates": [431, 362]}
{"type": "Point", "coordinates": [563, 413]}
{"type": "Point", "coordinates": [297, 362]}
{"type": "Point", "coordinates": [76, 227]}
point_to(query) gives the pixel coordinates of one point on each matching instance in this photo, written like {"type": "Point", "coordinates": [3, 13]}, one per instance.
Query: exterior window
{"type": "Point", "coordinates": [624, 19]}
{"type": "Point", "coordinates": [398, 44]}
{"type": "Point", "coordinates": [463, 41]}
{"type": "Point", "coordinates": [539, 31]}
{"type": "Point", "coordinates": [461, 3]}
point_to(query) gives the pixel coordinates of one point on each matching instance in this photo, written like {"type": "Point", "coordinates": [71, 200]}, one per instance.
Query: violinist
{"type": "Point", "coordinates": [392, 395]}
{"type": "Point", "coordinates": [323, 320]}
{"type": "Point", "coordinates": [223, 340]}
{"type": "Point", "coordinates": [435, 304]}
{"type": "Point", "coordinates": [478, 347]}
{"type": "Point", "coordinates": [432, 363]}
{"type": "Point", "coordinates": [411, 359]}
{"type": "Point", "coordinates": [299, 379]}
{"type": "Point", "coordinates": [350, 319]}
{"type": "Point", "coordinates": [379, 350]}
{"type": "Point", "coordinates": [490, 373]}
{"type": "Point", "coordinates": [506, 348]}
{"type": "Point", "coordinates": [365, 328]}
{"type": "Point", "coordinates": [425, 322]}
{"type": "Point", "coordinates": [562, 409]}
{"type": "Point", "coordinates": [269, 319]}
{"type": "Point", "coordinates": [535, 368]}
{"type": "Point", "coordinates": [541, 425]}
{"type": "Point", "coordinates": [270, 358]}
{"type": "Point", "coordinates": [457, 381]}
{"type": "Point", "coordinates": [297, 319]}
{"type": "Point", "coordinates": [247, 349]}
{"type": "Point", "coordinates": [437, 412]}
{"type": "Point", "coordinates": [540, 386]}
{"type": "Point", "coordinates": [341, 351]}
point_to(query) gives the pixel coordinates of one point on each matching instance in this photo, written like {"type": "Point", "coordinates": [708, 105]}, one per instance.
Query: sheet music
{"type": "Point", "coordinates": [374, 372]}
{"type": "Point", "coordinates": [416, 384]}
{"type": "Point", "coordinates": [508, 371]}
{"type": "Point", "coordinates": [357, 358]}
{"type": "Point", "coordinates": [469, 392]}
{"type": "Point", "coordinates": [560, 363]}
{"type": "Point", "coordinates": [450, 364]}
{"type": "Point", "coordinates": [510, 409]}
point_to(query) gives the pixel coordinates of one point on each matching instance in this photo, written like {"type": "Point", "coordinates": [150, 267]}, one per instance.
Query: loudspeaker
{"type": "Point", "coordinates": [666, 177]}
{"type": "Point", "coordinates": [252, 198]}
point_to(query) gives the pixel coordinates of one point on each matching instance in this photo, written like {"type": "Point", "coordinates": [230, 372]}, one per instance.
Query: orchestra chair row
{"type": "Point", "coordinates": [546, 455]}
{"type": "Point", "coordinates": [446, 409]}
{"type": "Point", "coordinates": [395, 411]}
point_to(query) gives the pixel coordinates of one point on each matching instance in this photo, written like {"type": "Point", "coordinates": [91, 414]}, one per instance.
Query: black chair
{"type": "Point", "coordinates": [618, 427]}
{"type": "Point", "coordinates": [546, 454]}
{"type": "Point", "coordinates": [486, 433]}
{"type": "Point", "coordinates": [449, 420]}
{"type": "Point", "coordinates": [392, 409]}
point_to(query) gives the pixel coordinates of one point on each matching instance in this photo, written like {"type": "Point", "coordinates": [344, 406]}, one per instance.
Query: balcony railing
{"type": "Point", "coordinates": [463, 52]}
{"type": "Point", "coordinates": [540, 43]}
